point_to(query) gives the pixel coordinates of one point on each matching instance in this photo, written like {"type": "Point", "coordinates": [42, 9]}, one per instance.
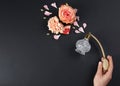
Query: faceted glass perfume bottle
{"type": "Point", "coordinates": [83, 46]}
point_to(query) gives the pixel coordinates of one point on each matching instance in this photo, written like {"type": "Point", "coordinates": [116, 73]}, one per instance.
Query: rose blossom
{"type": "Point", "coordinates": [67, 14]}
{"type": "Point", "coordinates": [55, 26]}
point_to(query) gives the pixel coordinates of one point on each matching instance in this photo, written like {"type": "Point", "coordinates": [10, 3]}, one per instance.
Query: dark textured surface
{"type": "Point", "coordinates": [30, 58]}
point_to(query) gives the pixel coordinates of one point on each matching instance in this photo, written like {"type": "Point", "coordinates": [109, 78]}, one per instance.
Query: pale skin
{"type": "Point", "coordinates": [102, 79]}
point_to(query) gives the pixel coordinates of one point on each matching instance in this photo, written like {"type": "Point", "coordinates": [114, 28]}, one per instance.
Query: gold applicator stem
{"type": "Point", "coordinates": [100, 45]}
{"type": "Point", "coordinates": [104, 61]}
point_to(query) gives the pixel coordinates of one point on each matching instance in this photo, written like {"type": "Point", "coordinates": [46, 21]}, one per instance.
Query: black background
{"type": "Point", "coordinates": [30, 58]}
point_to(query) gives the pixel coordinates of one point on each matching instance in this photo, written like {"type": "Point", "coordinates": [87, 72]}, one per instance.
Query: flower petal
{"type": "Point", "coordinates": [84, 25]}
{"type": "Point", "coordinates": [76, 24]}
{"type": "Point", "coordinates": [56, 37]}
{"type": "Point", "coordinates": [78, 18]}
{"type": "Point", "coordinates": [41, 10]}
{"type": "Point", "coordinates": [47, 34]}
{"type": "Point", "coordinates": [44, 17]}
{"type": "Point", "coordinates": [77, 31]}
{"type": "Point", "coordinates": [46, 7]}
{"type": "Point", "coordinates": [47, 13]}
{"type": "Point", "coordinates": [76, 10]}
{"type": "Point", "coordinates": [54, 5]}
{"type": "Point", "coordinates": [73, 27]}
{"type": "Point", "coordinates": [81, 29]}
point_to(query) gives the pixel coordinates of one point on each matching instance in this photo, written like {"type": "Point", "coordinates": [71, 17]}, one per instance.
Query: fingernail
{"type": "Point", "coordinates": [108, 56]}
{"type": "Point", "coordinates": [99, 62]}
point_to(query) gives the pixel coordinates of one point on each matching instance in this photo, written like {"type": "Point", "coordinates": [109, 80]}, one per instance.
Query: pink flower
{"type": "Point", "coordinates": [55, 26]}
{"type": "Point", "coordinates": [67, 14]}
{"type": "Point", "coordinates": [66, 29]}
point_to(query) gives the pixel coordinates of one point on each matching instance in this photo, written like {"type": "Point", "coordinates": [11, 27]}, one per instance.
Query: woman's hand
{"type": "Point", "coordinates": [102, 79]}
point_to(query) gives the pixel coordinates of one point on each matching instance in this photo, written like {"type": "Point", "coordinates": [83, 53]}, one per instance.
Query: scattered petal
{"type": "Point", "coordinates": [44, 17]}
{"type": "Point", "coordinates": [47, 13]}
{"type": "Point", "coordinates": [84, 25]}
{"type": "Point", "coordinates": [78, 18]}
{"type": "Point", "coordinates": [81, 29]}
{"type": "Point", "coordinates": [46, 7]}
{"type": "Point", "coordinates": [66, 30]}
{"type": "Point", "coordinates": [47, 34]}
{"type": "Point", "coordinates": [54, 5]}
{"type": "Point", "coordinates": [56, 37]}
{"type": "Point", "coordinates": [73, 27]}
{"type": "Point", "coordinates": [76, 10]}
{"type": "Point", "coordinates": [76, 24]}
{"type": "Point", "coordinates": [77, 31]}
{"type": "Point", "coordinates": [41, 10]}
